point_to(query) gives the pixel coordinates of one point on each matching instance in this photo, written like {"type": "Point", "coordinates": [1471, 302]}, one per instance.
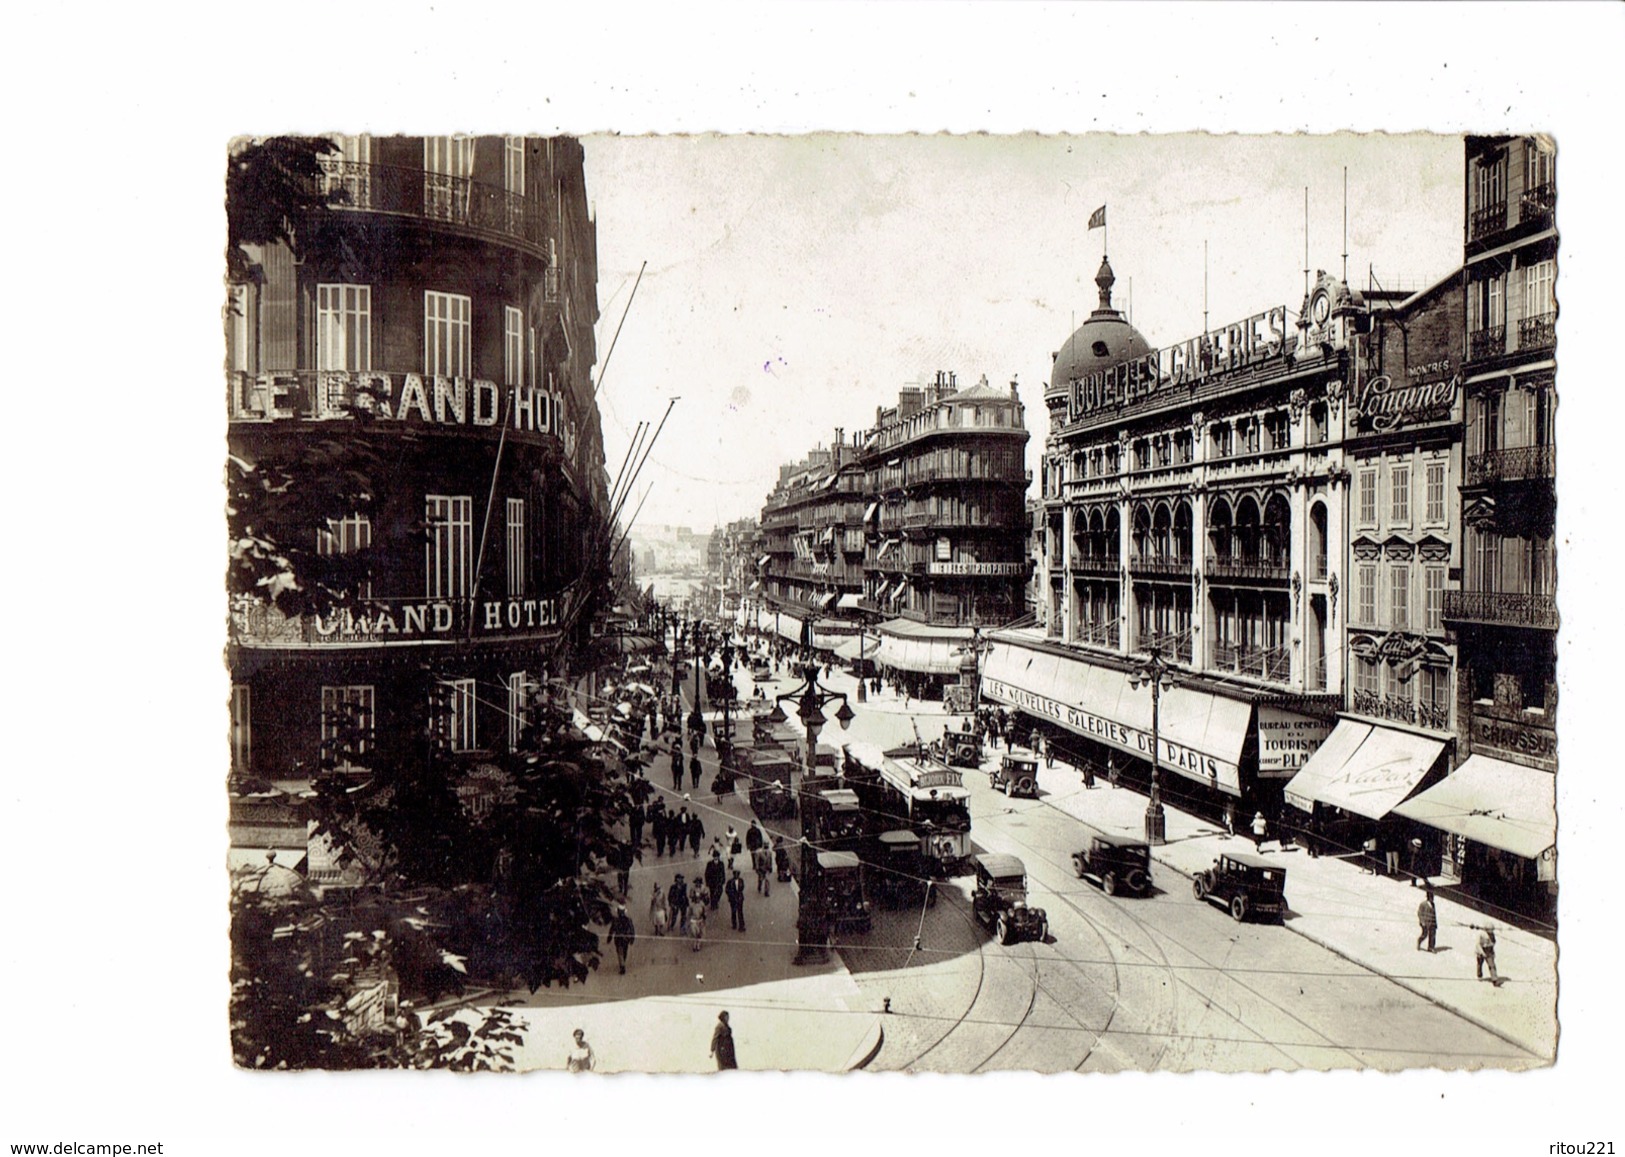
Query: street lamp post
{"type": "Point", "coordinates": [1153, 673]}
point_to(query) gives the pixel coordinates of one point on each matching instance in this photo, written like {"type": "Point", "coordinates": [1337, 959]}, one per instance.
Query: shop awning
{"type": "Point", "coordinates": [587, 727]}
{"type": "Point", "coordinates": [825, 600]}
{"type": "Point", "coordinates": [857, 648]}
{"type": "Point", "coordinates": [757, 585]}
{"type": "Point", "coordinates": [764, 560]}
{"type": "Point", "coordinates": [884, 548]}
{"type": "Point", "coordinates": [848, 602]}
{"type": "Point", "coordinates": [869, 514]}
{"type": "Point", "coordinates": [1365, 768]}
{"type": "Point", "coordinates": [1492, 802]}
{"type": "Point", "coordinates": [1202, 734]}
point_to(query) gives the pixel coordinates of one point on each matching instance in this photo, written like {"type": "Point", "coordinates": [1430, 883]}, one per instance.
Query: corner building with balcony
{"type": "Point", "coordinates": [440, 312]}
{"type": "Point", "coordinates": [1496, 812]}
{"type": "Point", "coordinates": [946, 525]}
{"type": "Point", "coordinates": [1193, 499]}
{"type": "Point", "coordinates": [812, 542]}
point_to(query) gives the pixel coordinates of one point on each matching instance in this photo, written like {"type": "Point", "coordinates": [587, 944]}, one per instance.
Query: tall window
{"type": "Point", "coordinates": [1433, 580]}
{"type": "Point", "coordinates": [1489, 181]}
{"type": "Point", "coordinates": [243, 328]}
{"type": "Point", "coordinates": [1250, 432]}
{"type": "Point", "coordinates": [450, 568]}
{"type": "Point", "coordinates": [344, 327]}
{"type": "Point", "coordinates": [516, 708]}
{"type": "Point", "coordinates": [1366, 676]}
{"type": "Point", "coordinates": [1399, 602]}
{"type": "Point", "coordinates": [513, 164]}
{"type": "Point", "coordinates": [447, 334]}
{"type": "Point", "coordinates": [347, 723]}
{"type": "Point", "coordinates": [1538, 282]}
{"type": "Point", "coordinates": [1279, 430]}
{"type": "Point", "coordinates": [1436, 494]}
{"type": "Point", "coordinates": [1539, 165]}
{"type": "Point", "coordinates": [346, 177]}
{"type": "Point", "coordinates": [448, 162]}
{"type": "Point", "coordinates": [346, 536]}
{"type": "Point", "coordinates": [1365, 603]}
{"type": "Point", "coordinates": [241, 730]}
{"type": "Point", "coordinates": [516, 548]}
{"type": "Point", "coordinates": [1368, 498]}
{"type": "Point", "coordinates": [1433, 691]}
{"type": "Point", "coordinates": [459, 714]}
{"type": "Point", "coordinates": [513, 346]}
{"type": "Point", "coordinates": [1399, 492]}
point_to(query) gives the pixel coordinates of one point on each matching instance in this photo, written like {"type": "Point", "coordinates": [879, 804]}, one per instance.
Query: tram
{"type": "Point", "coordinates": [917, 793]}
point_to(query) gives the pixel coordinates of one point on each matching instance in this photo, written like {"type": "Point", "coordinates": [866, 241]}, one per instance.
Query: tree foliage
{"type": "Point", "coordinates": [271, 186]}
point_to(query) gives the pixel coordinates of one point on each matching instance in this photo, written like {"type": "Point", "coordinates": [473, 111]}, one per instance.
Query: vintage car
{"type": "Point", "coordinates": [1118, 862]}
{"type": "Point", "coordinates": [1246, 885]}
{"type": "Point", "coordinates": [761, 670]}
{"type": "Point", "coordinates": [1000, 899]}
{"type": "Point", "coordinates": [900, 877]}
{"type": "Point", "coordinates": [958, 749]}
{"type": "Point", "coordinates": [1017, 774]}
{"type": "Point", "coordinates": [838, 884]}
{"type": "Point", "coordinates": [772, 773]}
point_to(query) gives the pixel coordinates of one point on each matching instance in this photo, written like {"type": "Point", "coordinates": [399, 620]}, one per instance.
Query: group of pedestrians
{"type": "Point", "coordinates": [1427, 919]}
{"type": "Point", "coordinates": [582, 1059]}
{"type": "Point", "coordinates": [674, 830]}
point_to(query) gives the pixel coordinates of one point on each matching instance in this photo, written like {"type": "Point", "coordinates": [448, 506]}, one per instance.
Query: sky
{"type": "Point", "coordinates": [795, 283]}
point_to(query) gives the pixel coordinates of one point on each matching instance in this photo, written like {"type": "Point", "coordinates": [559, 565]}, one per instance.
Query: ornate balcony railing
{"type": "Point", "coordinates": [1487, 342]}
{"type": "Point", "coordinates": [1512, 465]}
{"type": "Point", "coordinates": [1490, 219]}
{"type": "Point", "coordinates": [1173, 565]}
{"type": "Point", "coordinates": [1235, 566]}
{"type": "Point", "coordinates": [1175, 645]}
{"type": "Point", "coordinates": [1538, 201]}
{"type": "Point", "coordinates": [1433, 716]}
{"type": "Point", "coordinates": [1502, 608]}
{"type": "Point", "coordinates": [1260, 664]}
{"type": "Point", "coordinates": [1097, 564]}
{"type": "Point", "coordinates": [1099, 634]}
{"type": "Point", "coordinates": [457, 201]}
{"type": "Point", "coordinates": [1538, 331]}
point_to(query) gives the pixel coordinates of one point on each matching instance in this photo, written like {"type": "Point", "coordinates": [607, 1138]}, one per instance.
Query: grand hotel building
{"type": "Point", "coordinates": [448, 292]}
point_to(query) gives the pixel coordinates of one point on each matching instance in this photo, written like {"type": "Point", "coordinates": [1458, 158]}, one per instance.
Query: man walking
{"type": "Point", "coordinates": [696, 832]}
{"type": "Point", "coordinates": [1427, 917]}
{"type": "Point", "coordinates": [621, 934]}
{"type": "Point", "coordinates": [657, 822]}
{"type": "Point", "coordinates": [694, 772]}
{"type": "Point", "coordinates": [722, 1044]}
{"type": "Point", "coordinates": [761, 860]}
{"type": "Point", "coordinates": [677, 900]}
{"type": "Point", "coordinates": [677, 769]}
{"type": "Point", "coordinates": [735, 890]}
{"type": "Point", "coordinates": [634, 823]}
{"type": "Point", "coordinates": [715, 876]}
{"type": "Point", "coordinates": [1486, 955]}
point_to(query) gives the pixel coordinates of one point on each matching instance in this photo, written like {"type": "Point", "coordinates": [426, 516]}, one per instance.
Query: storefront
{"type": "Point", "coordinates": [920, 656]}
{"type": "Point", "coordinates": [1207, 739]}
{"type": "Point", "coordinates": [1342, 799]}
{"type": "Point", "coordinates": [1498, 822]}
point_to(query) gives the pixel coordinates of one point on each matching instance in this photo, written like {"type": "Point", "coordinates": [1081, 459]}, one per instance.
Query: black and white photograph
{"type": "Point", "coordinates": [611, 536]}
{"type": "Point", "coordinates": [815, 578]}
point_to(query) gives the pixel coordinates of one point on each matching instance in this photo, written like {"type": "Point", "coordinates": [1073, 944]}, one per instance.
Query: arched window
{"type": "Point", "coordinates": [1247, 530]}
{"type": "Point", "coordinates": [1162, 533]}
{"type": "Point", "coordinates": [1142, 532]}
{"type": "Point", "coordinates": [1114, 535]}
{"type": "Point", "coordinates": [1276, 546]}
{"type": "Point", "coordinates": [1182, 533]}
{"type": "Point", "coordinates": [1317, 540]}
{"type": "Point", "coordinates": [1097, 535]}
{"type": "Point", "coordinates": [1220, 530]}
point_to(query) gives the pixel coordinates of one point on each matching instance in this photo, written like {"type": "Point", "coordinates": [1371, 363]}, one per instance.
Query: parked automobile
{"type": "Point", "coordinates": [1118, 862]}
{"type": "Point", "coordinates": [958, 749]}
{"type": "Point", "coordinates": [1017, 774]}
{"type": "Point", "coordinates": [1246, 885]}
{"type": "Point", "coordinates": [900, 876]}
{"type": "Point", "coordinates": [1000, 899]}
{"type": "Point", "coordinates": [839, 886]}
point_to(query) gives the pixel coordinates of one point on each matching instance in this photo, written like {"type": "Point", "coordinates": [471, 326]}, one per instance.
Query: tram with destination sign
{"type": "Point", "coordinates": [907, 789]}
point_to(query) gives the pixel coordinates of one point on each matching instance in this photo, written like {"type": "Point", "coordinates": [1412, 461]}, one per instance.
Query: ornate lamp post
{"type": "Point", "coordinates": [1153, 673]}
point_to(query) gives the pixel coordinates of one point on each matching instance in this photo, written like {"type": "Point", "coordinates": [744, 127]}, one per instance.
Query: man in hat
{"type": "Point", "coordinates": [1486, 955]}
{"type": "Point", "coordinates": [735, 891]}
{"type": "Point", "coordinates": [621, 934]}
{"type": "Point", "coordinates": [1427, 918]}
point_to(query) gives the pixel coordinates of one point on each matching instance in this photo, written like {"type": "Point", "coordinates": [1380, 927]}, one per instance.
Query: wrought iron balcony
{"type": "Point", "coordinates": [467, 205]}
{"type": "Point", "coordinates": [1173, 565]}
{"type": "Point", "coordinates": [1502, 608]}
{"type": "Point", "coordinates": [1235, 566]}
{"type": "Point", "coordinates": [1099, 634]}
{"type": "Point", "coordinates": [1487, 342]}
{"type": "Point", "coordinates": [1537, 332]}
{"type": "Point", "coordinates": [1490, 219]}
{"type": "Point", "coordinates": [1175, 645]}
{"type": "Point", "coordinates": [1515, 464]}
{"type": "Point", "coordinates": [1097, 564]}
{"type": "Point", "coordinates": [1539, 201]}
{"type": "Point", "coordinates": [1273, 665]}
{"type": "Point", "coordinates": [1436, 717]}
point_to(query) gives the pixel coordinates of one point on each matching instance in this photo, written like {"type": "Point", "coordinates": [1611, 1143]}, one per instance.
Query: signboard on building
{"type": "Point", "coordinates": [1429, 393]}
{"type": "Point", "coordinates": [392, 623]}
{"type": "Point", "coordinates": [1286, 740]}
{"type": "Point", "coordinates": [976, 568]}
{"type": "Point", "coordinates": [1515, 742]}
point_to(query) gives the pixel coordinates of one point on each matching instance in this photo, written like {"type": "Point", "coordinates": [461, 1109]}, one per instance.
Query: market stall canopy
{"type": "Point", "coordinates": [1492, 802]}
{"type": "Point", "coordinates": [1364, 768]}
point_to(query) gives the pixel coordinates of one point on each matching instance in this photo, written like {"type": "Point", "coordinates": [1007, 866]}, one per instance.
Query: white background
{"type": "Point", "coordinates": [115, 951]}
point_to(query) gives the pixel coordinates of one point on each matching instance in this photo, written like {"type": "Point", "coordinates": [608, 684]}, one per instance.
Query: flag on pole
{"type": "Point", "coordinates": [1097, 219]}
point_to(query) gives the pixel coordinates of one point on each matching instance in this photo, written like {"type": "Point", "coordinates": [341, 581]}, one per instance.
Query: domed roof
{"type": "Point", "coordinates": [1103, 340]}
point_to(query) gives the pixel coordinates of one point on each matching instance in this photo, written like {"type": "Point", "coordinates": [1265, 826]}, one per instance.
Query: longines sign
{"type": "Point", "coordinates": [1382, 403]}
{"type": "Point", "coordinates": [1187, 761]}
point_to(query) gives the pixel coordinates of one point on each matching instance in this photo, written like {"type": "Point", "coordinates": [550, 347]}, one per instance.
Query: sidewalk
{"type": "Point", "coordinates": [659, 1016]}
{"type": "Point", "coordinates": [1370, 920]}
